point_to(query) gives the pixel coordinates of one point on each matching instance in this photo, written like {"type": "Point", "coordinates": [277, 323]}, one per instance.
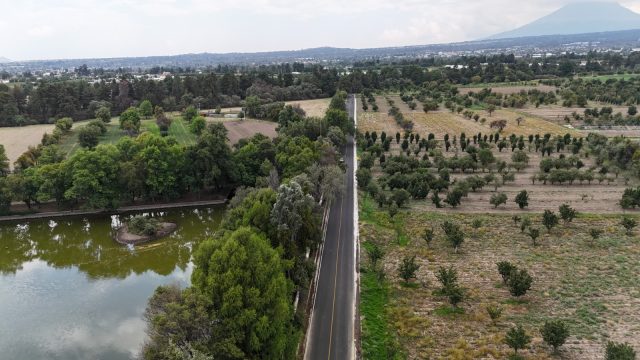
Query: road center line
{"type": "Point", "coordinates": [335, 278]}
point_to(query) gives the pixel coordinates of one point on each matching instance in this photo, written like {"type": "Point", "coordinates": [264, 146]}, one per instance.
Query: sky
{"type": "Point", "coordinates": [59, 29]}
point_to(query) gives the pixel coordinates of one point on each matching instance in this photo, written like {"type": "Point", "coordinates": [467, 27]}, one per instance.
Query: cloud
{"type": "Point", "coordinates": [104, 28]}
{"type": "Point", "coordinates": [40, 31]}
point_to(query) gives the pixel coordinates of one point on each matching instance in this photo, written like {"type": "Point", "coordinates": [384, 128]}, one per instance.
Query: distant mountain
{"type": "Point", "coordinates": [579, 18]}
{"type": "Point", "coordinates": [4, 60]}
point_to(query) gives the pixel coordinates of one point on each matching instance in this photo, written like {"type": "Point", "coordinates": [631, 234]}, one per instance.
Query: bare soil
{"type": "Point", "coordinates": [241, 129]}
{"type": "Point", "coordinates": [16, 140]}
{"type": "Point", "coordinates": [592, 285]}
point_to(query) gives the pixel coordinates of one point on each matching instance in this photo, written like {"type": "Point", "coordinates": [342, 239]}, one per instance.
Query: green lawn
{"type": "Point", "coordinates": [178, 129]}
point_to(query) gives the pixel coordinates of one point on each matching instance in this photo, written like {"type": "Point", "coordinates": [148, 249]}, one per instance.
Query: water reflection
{"type": "Point", "coordinates": [87, 243]}
{"type": "Point", "coordinates": [69, 291]}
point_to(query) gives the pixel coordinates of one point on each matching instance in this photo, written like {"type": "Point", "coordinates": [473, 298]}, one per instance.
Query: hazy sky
{"type": "Point", "coordinates": [49, 29]}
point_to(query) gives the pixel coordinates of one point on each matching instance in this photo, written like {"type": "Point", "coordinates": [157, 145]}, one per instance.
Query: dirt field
{"type": "Point", "coordinates": [240, 129]}
{"type": "Point", "coordinates": [16, 140]}
{"type": "Point", "coordinates": [591, 285]}
{"type": "Point", "coordinates": [442, 122]}
{"type": "Point", "coordinates": [507, 90]}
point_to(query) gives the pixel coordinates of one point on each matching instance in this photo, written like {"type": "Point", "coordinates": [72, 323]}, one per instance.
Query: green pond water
{"type": "Point", "coordinates": [69, 291]}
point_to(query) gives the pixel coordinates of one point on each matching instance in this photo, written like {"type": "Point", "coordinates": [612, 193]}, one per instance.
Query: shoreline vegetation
{"type": "Point", "coordinates": [126, 236]}
{"type": "Point", "coordinates": [120, 210]}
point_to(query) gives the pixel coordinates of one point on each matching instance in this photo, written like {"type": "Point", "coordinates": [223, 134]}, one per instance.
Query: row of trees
{"type": "Point", "coordinates": [240, 304]}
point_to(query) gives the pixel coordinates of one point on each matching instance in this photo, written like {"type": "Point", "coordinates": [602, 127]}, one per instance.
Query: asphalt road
{"type": "Point", "coordinates": [331, 331]}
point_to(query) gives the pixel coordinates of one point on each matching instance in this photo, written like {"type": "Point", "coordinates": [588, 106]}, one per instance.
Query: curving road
{"type": "Point", "coordinates": [331, 331]}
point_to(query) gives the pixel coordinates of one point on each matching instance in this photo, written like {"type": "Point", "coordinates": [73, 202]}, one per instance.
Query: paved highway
{"type": "Point", "coordinates": [331, 331]}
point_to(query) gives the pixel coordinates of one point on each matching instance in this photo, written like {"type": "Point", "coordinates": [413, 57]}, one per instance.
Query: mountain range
{"type": "Point", "coordinates": [578, 18]}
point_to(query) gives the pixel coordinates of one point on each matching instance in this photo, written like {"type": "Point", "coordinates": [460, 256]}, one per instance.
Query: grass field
{"type": "Point", "coordinates": [16, 140]}
{"type": "Point", "coordinates": [592, 285]}
{"type": "Point", "coordinates": [315, 107]}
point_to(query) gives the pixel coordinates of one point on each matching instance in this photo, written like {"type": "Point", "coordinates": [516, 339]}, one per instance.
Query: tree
{"type": "Point", "coordinates": [498, 199]}
{"type": "Point", "coordinates": [628, 223]}
{"type": "Point", "coordinates": [619, 351]}
{"type": "Point", "coordinates": [491, 108]}
{"type": "Point", "coordinates": [130, 121]}
{"type": "Point", "coordinates": [549, 219]}
{"type": "Point", "coordinates": [198, 124]}
{"type": "Point", "coordinates": [555, 333]}
{"type": "Point", "coordinates": [408, 268]}
{"type": "Point", "coordinates": [88, 136]}
{"type": "Point", "coordinates": [428, 235]}
{"type": "Point", "coordinates": [177, 322]}
{"type": "Point", "coordinates": [505, 269]}
{"type": "Point", "coordinates": [516, 338]}
{"type": "Point", "coordinates": [189, 113]}
{"type": "Point", "coordinates": [103, 114]}
{"type": "Point", "coordinates": [363, 175]}
{"type": "Point", "coordinates": [4, 162]}
{"type": "Point", "coordinates": [375, 254]}
{"type": "Point", "coordinates": [146, 109]}
{"type": "Point", "coordinates": [454, 234]}
{"type": "Point", "coordinates": [519, 282]}
{"type": "Point", "coordinates": [400, 197]}
{"type": "Point", "coordinates": [243, 278]}
{"type": "Point", "coordinates": [448, 277]}
{"type": "Point", "coordinates": [453, 198]}
{"type": "Point", "coordinates": [632, 111]}
{"type": "Point", "coordinates": [486, 158]}
{"type": "Point", "coordinates": [567, 213]}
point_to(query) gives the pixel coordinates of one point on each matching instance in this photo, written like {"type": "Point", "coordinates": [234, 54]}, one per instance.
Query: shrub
{"type": "Point", "coordinates": [454, 234]}
{"type": "Point", "coordinates": [525, 224]}
{"type": "Point", "coordinates": [498, 199]}
{"type": "Point", "coordinates": [99, 125]}
{"type": "Point", "coordinates": [103, 114]}
{"type": "Point", "coordinates": [628, 223]}
{"type": "Point", "coordinates": [495, 312]}
{"type": "Point", "coordinates": [517, 338]}
{"type": "Point", "coordinates": [408, 268]}
{"type": "Point", "coordinates": [141, 225]}
{"type": "Point", "coordinates": [428, 235]}
{"type": "Point", "coordinates": [375, 254]}
{"type": "Point", "coordinates": [549, 219]}
{"type": "Point", "coordinates": [522, 199]}
{"type": "Point", "coordinates": [534, 233]}
{"type": "Point", "coordinates": [198, 124]}
{"type": "Point", "coordinates": [519, 282]}
{"type": "Point", "coordinates": [64, 124]}
{"type": "Point", "coordinates": [567, 213]}
{"type": "Point", "coordinates": [505, 269]}
{"type": "Point", "coordinates": [88, 136]}
{"type": "Point", "coordinates": [477, 223]}
{"type": "Point", "coordinates": [189, 113]}
{"type": "Point", "coordinates": [555, 333]}
{"type": "Point", "coordinates": [619, 351]}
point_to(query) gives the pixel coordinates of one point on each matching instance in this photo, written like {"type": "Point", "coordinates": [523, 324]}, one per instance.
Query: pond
{"type": "Point", "coordinates": [69, 291]}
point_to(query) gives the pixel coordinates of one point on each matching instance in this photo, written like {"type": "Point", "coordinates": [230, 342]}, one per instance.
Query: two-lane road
{"type": "Point", "coordinates": [331, 331]}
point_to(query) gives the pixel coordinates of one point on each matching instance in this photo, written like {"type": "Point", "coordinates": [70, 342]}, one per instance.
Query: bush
{"type": "Point", "coordinates": [555, 333]}
{"type": "Point", "coordinates": [498, 199]}
{"type": "Point", "coordinates": [448, 277]}
{"type": "Point", "coordinates": [141, 225]}
{"type": "Point", "coordinates": [408, 268]}
{"type": "Point", "coordinates": [99, 124]}
{"type": "Point", "coordinates": [88, 136]}
{"type": "Point", "coordinates": [495, 312]}
{"type": "Point", "coordinates": [522, 199]}
{"type": "Point", "coordinates": [454, 234]}
{"type": "Point", "coordinates": [103, 114]}
{"type": "Point", "coordinates": [567, 213]}
{"type": "Point", "coordinates": [628, 223]}
{"type": "Point", "coordinates": [198, 124]}
{"type": "Point", "coordinates": [549, 219]}
{"type": "Point", "coordinates": [517, 338]}
{"type": "Point", "coordinates": [64, 124]}
{"type": "Point", "coordinates": [619, 351]}
{"type": "Point", "coordinates": [519, 282]}
{"type": "Point", "coordinates": [505, 269]}
{"type": "Point", "coordinates": [189, 113]}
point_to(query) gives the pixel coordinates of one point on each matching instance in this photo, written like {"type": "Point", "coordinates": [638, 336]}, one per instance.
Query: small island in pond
{"type": "Point", "coordinates": [141, 229]}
